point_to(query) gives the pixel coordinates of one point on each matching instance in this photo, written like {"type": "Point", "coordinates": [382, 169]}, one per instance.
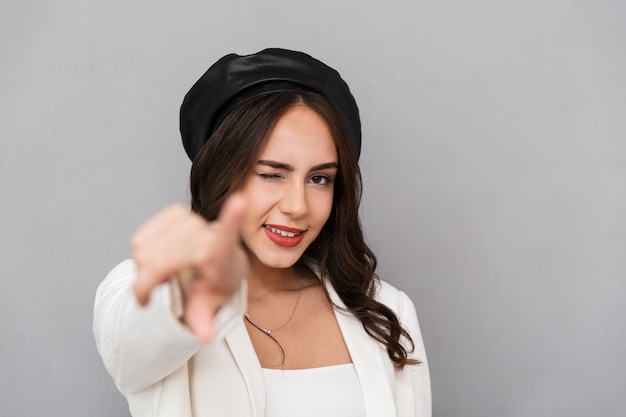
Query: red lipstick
{"type": "Point", "coordinates": [283, 235]}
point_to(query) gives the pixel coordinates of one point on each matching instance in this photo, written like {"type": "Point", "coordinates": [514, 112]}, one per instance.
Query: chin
{"type": "Point", "coordinates": [279, 261]}
{"type": "Point", "coordinates": [278, 258]}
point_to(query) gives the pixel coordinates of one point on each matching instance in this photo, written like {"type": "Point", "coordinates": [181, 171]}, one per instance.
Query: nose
{"type": "Point", "coordinates": [293, 202]}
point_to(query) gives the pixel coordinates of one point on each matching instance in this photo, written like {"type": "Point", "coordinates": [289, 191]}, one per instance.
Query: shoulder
{"type": "Point", "coordinates": [119, 278]}
{"type": "Point", "coordinates": [392, 297]}
{"type": "Point", "coordinates": [123, 274]}
{"type": "Point", "coordinates": [402, 305]}
{"type": "Point", "coordinates": [124, 268]}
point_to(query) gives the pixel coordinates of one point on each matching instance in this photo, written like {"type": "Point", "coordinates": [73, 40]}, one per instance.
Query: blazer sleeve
{"type": "Point", "coordinates": [142, 345]}
{"type": "Point", "coordinates": [415, 379]}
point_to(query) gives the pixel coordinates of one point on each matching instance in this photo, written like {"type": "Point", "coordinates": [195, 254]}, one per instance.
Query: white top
{"type": "Point", "coordinates": [330, 391]}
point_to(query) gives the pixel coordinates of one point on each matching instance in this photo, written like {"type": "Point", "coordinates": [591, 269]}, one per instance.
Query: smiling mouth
{"type": "Point", "coordinates": [283, 233]}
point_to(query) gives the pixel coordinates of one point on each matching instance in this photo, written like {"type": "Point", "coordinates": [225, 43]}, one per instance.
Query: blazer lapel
{"type": "Point", "coordinates": [367, 355]}
{"type": "Point", "coordinates": [240, 346]}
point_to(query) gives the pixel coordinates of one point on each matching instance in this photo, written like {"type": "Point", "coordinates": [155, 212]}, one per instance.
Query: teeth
{"type": "Point", "coordinates": [281, 232]}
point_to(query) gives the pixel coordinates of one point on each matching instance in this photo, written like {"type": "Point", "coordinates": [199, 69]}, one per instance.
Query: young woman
{"type": "Point", "coordinates": [263, 299]}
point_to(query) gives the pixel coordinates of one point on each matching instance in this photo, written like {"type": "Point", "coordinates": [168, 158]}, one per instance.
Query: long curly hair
{"type": "Point", "coordinates": [222, 166]}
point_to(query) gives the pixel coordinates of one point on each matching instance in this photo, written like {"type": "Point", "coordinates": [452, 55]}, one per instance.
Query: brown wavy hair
{"type": "Point", "coordinates": [223, 164]}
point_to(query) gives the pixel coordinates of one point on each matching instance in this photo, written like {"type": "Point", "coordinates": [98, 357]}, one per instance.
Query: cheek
{"type": "Point", "coordinates": [323, 208]}
{"type": "Point", "coordinates": [253, 213]}
{"type": "Point", "coordinates": [259, 198]}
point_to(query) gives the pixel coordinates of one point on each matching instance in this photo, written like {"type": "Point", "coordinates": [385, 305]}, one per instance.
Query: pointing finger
{"type": "Point", "coordinates": [199, 315]}
{"type": "Point", "coordinates": [143, 286]}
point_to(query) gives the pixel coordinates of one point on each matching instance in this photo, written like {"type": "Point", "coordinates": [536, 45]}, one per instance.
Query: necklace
{"type": "Point", "coordinates": [268, 331]}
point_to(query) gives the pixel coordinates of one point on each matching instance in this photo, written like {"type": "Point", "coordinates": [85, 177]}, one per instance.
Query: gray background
{"type": "Point", "coordinates": [494, 163]}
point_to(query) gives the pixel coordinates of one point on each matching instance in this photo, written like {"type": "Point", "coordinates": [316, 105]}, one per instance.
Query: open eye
{"type": "Point", "coordinates": [320, 180]}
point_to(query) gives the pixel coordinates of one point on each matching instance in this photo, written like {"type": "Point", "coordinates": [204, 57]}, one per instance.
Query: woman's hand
{"type": "Point", "coordinates": [207, 257]}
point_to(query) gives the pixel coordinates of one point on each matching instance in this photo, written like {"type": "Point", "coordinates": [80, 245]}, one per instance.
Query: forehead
{"type": "Point", "coordinates": [300, 136]}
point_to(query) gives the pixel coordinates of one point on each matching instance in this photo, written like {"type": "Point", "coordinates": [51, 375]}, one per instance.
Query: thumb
{"type": "Point", "coordinates": [230, 219]}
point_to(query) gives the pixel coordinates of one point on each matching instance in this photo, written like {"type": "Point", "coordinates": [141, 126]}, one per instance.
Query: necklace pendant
{"type": "Point", "coordinates": [268, 331]}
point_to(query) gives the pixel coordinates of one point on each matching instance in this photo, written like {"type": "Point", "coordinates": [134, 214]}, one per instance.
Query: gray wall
{"type": "Point", "coordinates": [494, 162]}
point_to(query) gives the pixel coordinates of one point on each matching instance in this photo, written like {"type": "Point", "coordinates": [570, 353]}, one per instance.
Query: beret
{"type": "Point", "coordinates": [236, 78]}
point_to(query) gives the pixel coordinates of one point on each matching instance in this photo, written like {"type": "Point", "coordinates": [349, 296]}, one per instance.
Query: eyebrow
{"type": "Point", "coordinates": [287, 167]}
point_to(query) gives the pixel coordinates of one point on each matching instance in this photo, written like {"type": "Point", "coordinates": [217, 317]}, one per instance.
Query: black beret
{"type": "Point", "coordinates": [234, 79]}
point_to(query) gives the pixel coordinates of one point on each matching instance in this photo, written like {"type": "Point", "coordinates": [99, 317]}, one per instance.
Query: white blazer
{"type": "Point", "coordinates": [163, 371]}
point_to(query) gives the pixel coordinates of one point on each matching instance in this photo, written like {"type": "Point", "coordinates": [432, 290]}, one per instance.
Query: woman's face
{"type": "Point", "coordinates": [290, 190]}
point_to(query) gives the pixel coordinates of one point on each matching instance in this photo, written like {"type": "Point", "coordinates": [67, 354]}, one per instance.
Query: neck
{"type": "Point", "coordinates": [263, 279]}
